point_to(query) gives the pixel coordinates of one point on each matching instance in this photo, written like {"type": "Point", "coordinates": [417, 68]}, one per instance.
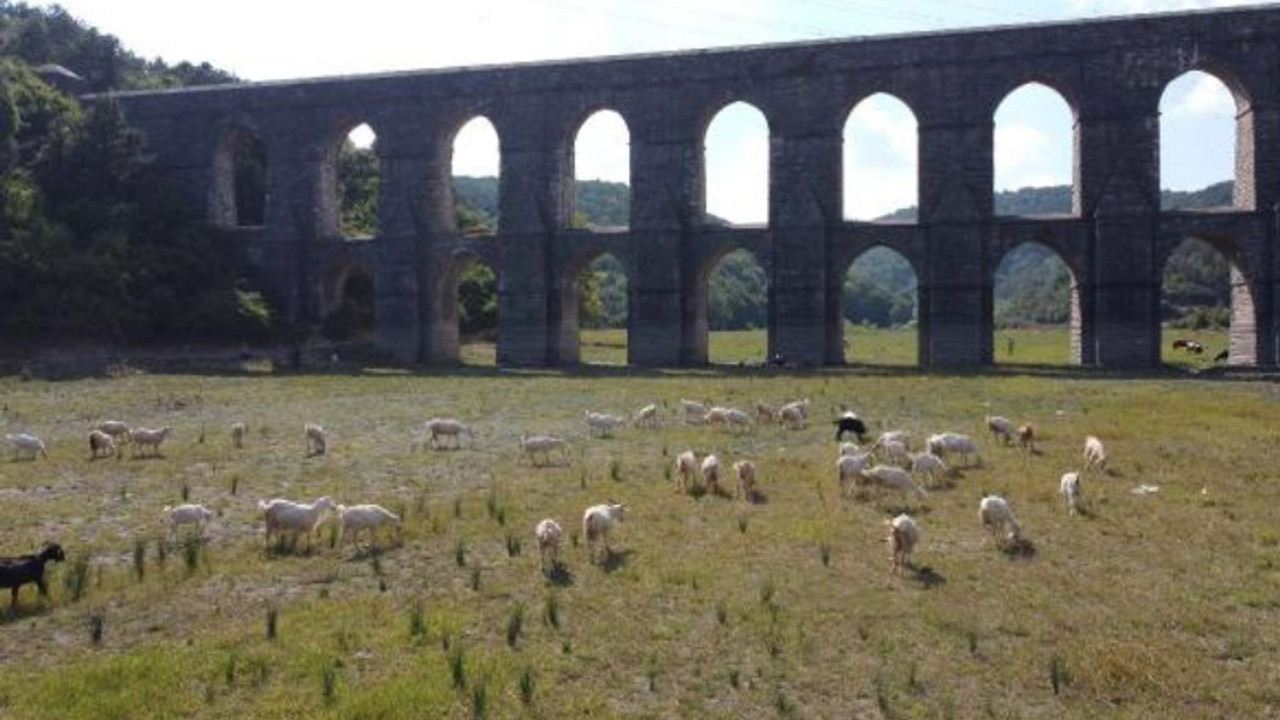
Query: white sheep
{"type": "Point", "coordinates": [928, 465]}
{"type": "Point", "coordinates": [694, 411]}
{"type": "Point", "coordinates": [26, 445]}
{"type": "Point", "coordinates": [997, 518]}
{"type": "Point", "coordinates": [1001, 428]}
{"type": "Point", "coordinates": [357, 518]}
{"type": "Point", "coordinates": [745, 471]}
{"type": "Point", "coordinates": [793, 416]}
{"type": "Point", "coordinates": [1027, 438]}
{"type": "Point", "coordinates": [850, 448]}
{"type": "Point", "coordinates": [548, 533]}
{"type": "Point", "coordinates": [146, 441]}
{"type": "Point", "coordinates": [188, 514]}
{"type": "Point", "coordinates": [1095, 455]}
{"type": "Point", "coordinates": [436, 429]}
{"type": "Point", "coordinates": [949, 443]}
{"type": "Point", "coordinates": [317, 439]}
{"type": "Point", "coordinates": [892, 451]}
{"type": "Point", "coordinates": [118, 430]}
{"type": "Point", "coordinates": [727, 417]}
{"type": "Point", "coordinates": [1069, 488]}
{"type": "Point", "coordinates": [237, 435]}
{"type": "Point", "coordinates": [603, 422]}
{"type": "Point", "coordinates": [893, 436]}
{"type": "Point", "coordinates": [101, 445]}
{"type": "Point", "coordinates": [893, 477]}
{"type": "Point", "coordinates": [849, 470]}
{"type": "Point", "coordinates": [800, 406]}
{"type": "Point", "coordinates": [646, 416]}
{"type": "Point", "coordinates": [686, 468]}
{"type": "Point", "coordinates": [765, 412]}
{"type": "Point", "coordinates": [903, 535]}
{"type": "Point", "coordinates": [597, 525]}
{"type": "Point", "coordinates": [711, 474]}
{"type": "Point", "coordinates": [287, 516]}
{"type": "Point", "coordinates": [533, 446]}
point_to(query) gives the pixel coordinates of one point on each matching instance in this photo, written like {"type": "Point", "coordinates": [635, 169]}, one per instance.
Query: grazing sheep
{"type": "Point", "coordinates": [316, 437]}
{"type": "Point", "coordinates": [849, 470]}
{"type": "Point", "coordinates": [893, 477]}
{"type": "Point", "coordinates": [18, 571]}
{"type": "Point", "coordinates": [597, 524]}
{"type": "Point", "coordinates": [711, 474]}
{"type": "Point", "coordinates": [1002, 428]}
{"type": "Point", "coordinates": [893, 451]}
{"type": "Point", "coordinates": [849, 422]}
{"type": "Point", "coordinates": [904, 533]}
{"type": "Point", "coordinates": [1027, 438]}
{"type": "Point", "coordinates": [146, 441]}
{"type": "Point", "coordinates": [603, 423]}
{"type": "Point", "coordinates": [436, 429]}
{"type": "Point", "coordinates": [1069, 488]}
{"type": "Point", "coordinates": [793, 417]}
{"type": "Point", "coordinates": [730, 418]}
{"type": "Point", "coordinates": [949, 443]}
{"type": "Point", "coordinates": [101, 445]}
{"type": "Point", "coordinates": [850, 448]}
{"type": "Point", "coordinates": [646, 416]}
{"type": "Point", "coordinates": [549, 533]}
{"type": "Point", "coordinates": [766, 412]}
{"type": "Point", "coordinates": [356, 518]}
{"type": "Point", "coordinates": [694, 411]}
{"type": "Point", "coordinates": [189, 514]}
{"type": "Point", "coordinates": [745, 470]}
{"type": "Point", "coordinates": [288, 516]}
{"type": "Point", "coordinates": [997, 519]}
{"type": "Point", "coordinates": [1095, 455]}
{"type": "Point", "coordinates": [892, 436]}
{"type": "Point", "coordinates": [686, 468]}
{"type": "Point", "coordinates": [531, 446]}
{"type": "Point", "coordinates": [799, 406]}
{"type": "Point", "coordinates": [26, 445]}
{"type": "Point", "coordinates": [118, 431]}
{"type": "Point", "coordinates": [237, 435]}
{"type": "Point", "coordinates": [928, 465]}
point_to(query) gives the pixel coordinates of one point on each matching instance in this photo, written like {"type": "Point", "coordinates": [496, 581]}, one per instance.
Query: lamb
{"type": "Point", "coordinates": [849, 422]}
{"type": "Point", "coordinates": [548, 533]}
{"type": "Point", "coordinates": [893, 477]}
{"type": "Point", "coordinates": [101, 445]}
{"type": "Point", "coordinates": [1027, 438]}
{"type": "Point", "coordinates": [118, 431]}
{"type": "Point", "coordinates": [602, 422]}
{"type": "Point", "coordinates": [694, 411]}
{"type": "Point", "coordinates": [189, 514]}
{"type": "Point", "coordinates": [793, 417]}
{"type": "Point", "coordinates": [533, 445]}
{"type": "Point", "coordinates": [711, 474]}
{"type": "Point", "coordinates": [947, 443]}
{"type": "Point", "coordinates": [237, 435]}
{"type": "Point", "coordinates": [26, 445]}
{"type": "Point", "coordinates": [997, 519]}
{"type": "Point", "coordinates": [438, 428]}
{"type": "Point", "coordinates": [1069, 488]}
{"type": "Point", "coordinates": [904, 533]}
{"type": "Point", "coordinates": [286, 515]}
{"type": "Point", "coordinates": [355, 518]}
{"type": "Point", "coordinates": [146, 441]}
{"type": "Point", "coordinates": [686, 467]}
{"type": "Point", "coordinates": [1000, 427]}
{"type": "Point", "coordinates": [646, 416]}
{"type": "Point", "coordinates": [18, 571]}
{"type": "Point", "coordinates": [849, 470]}
{"type": "Point", "coordinates": [316, 439]}
{"type": "Point", "coordinates": [597, 524]}
{"type": "Point", "coordinates": [929, 465]}
{"type": "Point", "coordinates": [1095, 455]}
{"type": "Point", "coordinates": [745, 471]}
{"type": "Point", "coordinates": [765, 412]}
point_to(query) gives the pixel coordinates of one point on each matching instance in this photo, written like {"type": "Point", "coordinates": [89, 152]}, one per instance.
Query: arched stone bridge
{"type": "Point", "coordinates": [1110, 72]}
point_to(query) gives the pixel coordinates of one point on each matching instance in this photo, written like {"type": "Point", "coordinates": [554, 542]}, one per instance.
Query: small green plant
{"type": "Point", "coordinates": [742, 524]}
{"type": "Point", "coordinates": [235, 484]}
{"type": "Point", "coordinates": [186, 491]}
{"type": "Point", "coordinates": [96, 625]}
{"type": "Point", "coordinates": [375, 563]}
{"type": "Point", "coordinates": [767, 592]}
{"type": "Point", "coordinates": [273, 615]}
{"type": "Point", "coordinates": [457, 665]}
{"type": "Point", "coordinates": [457, 507]}
{"type": "Point", "coordinates": [230, 668]}
{"type": "Point", "coordinates": [191, 552]}
{"type": "Point", "coordinates": [551, 610]}
{"type": "Point", "coordinates": [528, 683]}
{"type": "Point", "coordinates": [162, 553]}
{"type": "Point", "coordinates": [491, 504]}
{"type": "Point", "coordinates": [582, 480]}
{"type": "Point", "coordinates": [76, 579]}
{"type": "Point", "coordinates": [417, 622]}
{"type": "Point", "coordinates": [1058, 676]}
{"type": "Point", "coordinates": [824, 552]}
{"type": "Point", "coordinates": [480, 700]}
{"type": "Point", "coordinates": [615, 470]}
{"type": "Point", "coordinates": [329, 680]}
{"type": "Point", "coordinates": [972, 636]}
{"type": "Point", "coordinates": [473, 581]}
{"type": "Point", "coordinates": [783, 704]}
{"type": "Point", "coordinates": [514, 545]}
{"type": "Point", "coordinates": [651, 671]}
{"type": "Point", "coordinates": [515, 623]}
{"type": "Point", "coordinates": [140, 558]}
{"type": "Point", "coordinates": [735, 678]}
{"type": "Point", "coordinates": [460, 553]}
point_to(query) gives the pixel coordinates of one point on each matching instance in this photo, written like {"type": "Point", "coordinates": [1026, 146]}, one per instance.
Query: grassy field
{"type": "Point", "coordinates": [1157, 605]}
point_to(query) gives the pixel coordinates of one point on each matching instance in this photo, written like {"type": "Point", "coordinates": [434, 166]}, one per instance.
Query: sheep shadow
{"type": "Point", "coordinates": [615, 560]}
{"type": "Point", "coordinates": [926, 576]}
{"type": "Point", "coordinates": [560, 575]}
{"type": "Point", "coordinates": [1019, 549]}
{"type": "Point", "coordinates": [19, 612]}
{"type": "Point", "coordinates": [757, 497]}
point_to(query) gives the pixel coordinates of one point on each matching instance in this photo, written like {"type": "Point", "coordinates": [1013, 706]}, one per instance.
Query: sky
{"type": "Point", "coordinates": [292, 39]}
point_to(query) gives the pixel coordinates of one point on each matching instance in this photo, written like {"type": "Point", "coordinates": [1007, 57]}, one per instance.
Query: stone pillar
{"type": "Point", "coordinates": [956, 185]}
{"type": "Point", "coordinates": [294, 185]}
{"type": "Point", "coordinates": [804, 200]}
{"type": "Point", "coordinates": [667, 191]}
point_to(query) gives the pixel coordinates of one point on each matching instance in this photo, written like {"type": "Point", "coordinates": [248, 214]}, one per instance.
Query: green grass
{"type": "Point", "coordinates": [1154, 606]}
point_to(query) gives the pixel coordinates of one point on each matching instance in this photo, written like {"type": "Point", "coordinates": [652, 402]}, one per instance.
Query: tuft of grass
{"type": "Point", "coordinates": [515, 624]}
{"type": "Point", "coordinates": [742, 524]}
{"type": "Point", "coordinates": [76, 579]}
{"type": "Point", "coordinates": [140, 558]}
{"type": "Point", "coordinates": [191, 551]}
{"type": "Point", "coordinates": [457, 507]}
{"type": "Point", "coordinates": [514, 545]}
{"type": "Point", "coordinates": [329, 680]}
{"type": "Point", "coordinates": [97, 623]}
{"type": "Point", "coordinates": [615, 470]}
{"type": "Point", "coordinates": [528, 683]}
{"type": "Point", "coordinates": [457, 660]}
{"type": "Point", "coordinates": [460, 552]}
{"type": "Point", "coordinates": [551, 609]}
{"type": "Point", "coordinates": [824, 553]}
{"type": "Point", "coordinates": [1058, 676]}
{"type": "Point", "coordinates": [651, 671]}
{"type": "Point", "coordinates": [186, 491]}
{"type": "Point", "coordinates": [417, 622]}
{"type": "Point", "coordinates": [235, 484]}
{"type": "Point", "coordinates": [722, 613]}
{"type": "Point", "coordinates": [473, 581]}
{"type": "Point", "coordinates": [480, 699]}
{"type": "Point", "coordinates": [273, 617]}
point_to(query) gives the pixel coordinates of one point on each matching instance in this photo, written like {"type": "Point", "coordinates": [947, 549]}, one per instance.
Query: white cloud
{"type": "Point", "coordinates": [1200, 94]}
{"type": "Point", "coordinates": [601, 149]}
{"type": "Point", "coordinates": [870, 193]}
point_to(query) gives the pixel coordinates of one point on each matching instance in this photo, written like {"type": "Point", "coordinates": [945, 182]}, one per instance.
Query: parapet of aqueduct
{"type": "Point", "coordinates": [1111, 72]}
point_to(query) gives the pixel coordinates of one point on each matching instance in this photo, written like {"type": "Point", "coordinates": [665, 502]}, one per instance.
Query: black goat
{"type": "Point", "coordinates": [18, 571]}
{"type": "Point", "coordinates": [850, 422]}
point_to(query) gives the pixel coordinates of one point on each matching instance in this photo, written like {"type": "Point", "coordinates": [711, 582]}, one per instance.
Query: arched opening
{"type": "Point", "coordinates": [879, 303]}
{"type": "Point", "coordinates": [358, 175]}
{"type": "Point", "coordinates": [736, 162]}
{"type": "Point", "coordinates": [602, 173]}
{"type": "Point", "coordinates": [240, 181]}
{"type": "Point", "coordinates": [733, 309]}
{"type": "Point", "coordinates": [1197, 143]}
{"type": "Point", "coordinates": [1206, 298]}
{"type": "Point", "coordinates": [1034, 153]}
{"type": "Point", "coordinates": [477, 163]}
{"type": "Point", "coordinates": [881, 160]}
{"type": "Point", "coordinates": [471, 314]}
{"type": "Point", "coordinates": [593, 327]}
{"type": "Point", "coordinates": [349, 304]}
{"type": "Point", "coordinates": [1036, 308]}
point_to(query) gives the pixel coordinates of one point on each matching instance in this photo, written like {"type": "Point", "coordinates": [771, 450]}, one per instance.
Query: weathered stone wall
{"type": "Point", "coordinates": [1111, 72]}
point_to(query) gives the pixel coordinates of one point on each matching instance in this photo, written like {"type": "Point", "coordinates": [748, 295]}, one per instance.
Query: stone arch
{"type": "Point", "coordinates": [1052, 297]}
{"type": "Point", "coordinates": [479, 135]}
{"type": "Point", "coordinates": [750, 260]}
{"type": "Point", "coordinates": [1235, 160]}
{"type": "Point", "coordinates": [734, 150]}
{"type": "Point", "coordinates": [1030, 153]}
{"type": "Point", "coordinates": [1242, 344]}
{"type": "Point", "coordinates": [886, 282]}
{"type": "Point", "coordinates": [452, 324]}
{"type": "Point", "coordinates": [239, 184]}
{"type": "Point", "coordinates": [603, 126]}
{"type": "Point", "coordinates": [571, 285]}
{"type": "Point", "coordinates": [348, 304]}
{"type": "Point", "coordinates": [349, 174]}
{"type": "Point", "coordinates": [883, 116]}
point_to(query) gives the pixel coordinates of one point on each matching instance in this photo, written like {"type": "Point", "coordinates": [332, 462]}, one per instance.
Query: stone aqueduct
{"type": "Point", "coordinates": [1111, 73]}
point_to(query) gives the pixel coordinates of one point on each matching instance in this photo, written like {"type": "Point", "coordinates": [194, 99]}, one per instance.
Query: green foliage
{"type": "Point", "coordinates": [358, 190]}
{"type": "Point", "coordinates": [737, 293]}
{"type": "Point", "coordinates": [478, 301]}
